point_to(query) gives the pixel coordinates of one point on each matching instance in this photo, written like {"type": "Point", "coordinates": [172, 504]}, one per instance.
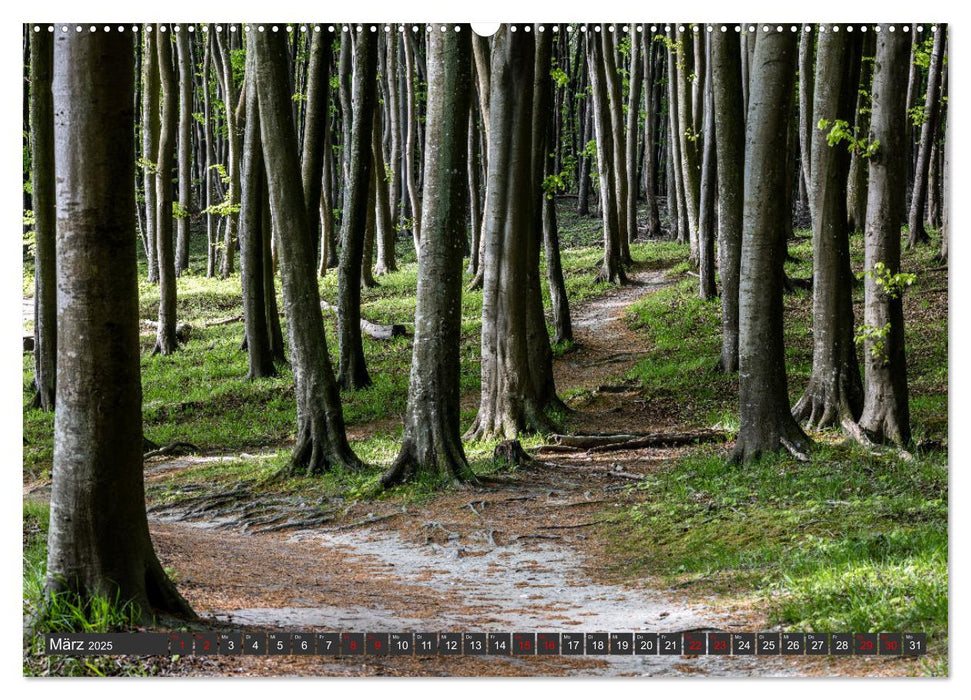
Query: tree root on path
{"type": "Point", "coordinates": [631, 441]}
{"type": "Point", "coordinates": [172, 449]}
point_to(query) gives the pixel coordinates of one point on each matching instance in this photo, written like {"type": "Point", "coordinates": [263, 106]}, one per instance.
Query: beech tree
{"type": "Point", "coordinates": [928, 131]}
{"type": "Point", "coordinates": [835, 391]}
{"type": "Point", "coordinates": [353, 372]}
{"type": "Point", "coordinates": [431, 442]}
{"type": "Point", "coordinates": [166, 342]}
{"type": "Point", "coordinates": [98, 541]}
{"type": "Point", "coordinates": [321, 437]}
{"type": "Point", "coordinates": [43, 196]}
{"type": "Point", "coordinates": [706, 207]}
{"type": "Point", "coordinates": [150, 129]}
{"type": "Point", "coordinates": [185, 81]}
{"type": "Point", "coordinates": [765, 422]}
{"type": "Point", "coordinates": [886, 411]}
{"type": "Point", "coordinates": [730, 154]}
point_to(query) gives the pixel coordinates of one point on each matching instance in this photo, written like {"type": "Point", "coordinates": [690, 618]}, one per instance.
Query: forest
{"type": "Point", "coordinates": [400, 327]}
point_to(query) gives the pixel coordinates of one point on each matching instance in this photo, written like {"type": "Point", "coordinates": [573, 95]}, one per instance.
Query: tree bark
{"type": "Point", "coordinates": [251, 256]}
{"type": "Point", "coordinates": [619, 160]}
{"type": "Point", "coordinates": [652, 110]}
{"type": "Point", "coordinates": [475, 194]}
{"type": "Point", "coordinates": [633, 114]}
{"type": "Point", "coordinates": [431, 442]}
{"type": "Point", "coordinates": [234, 141]}
{"type": "Point", "coordinates": [928, 131]}
{"type": "Point", "coordinates": [384, 227]}
{"type": "Point", "coordinates": [508, 404]}
{"type": "Point", "coordinates": [321, 438]}
{"type": "Point", "coordinates": [207, 174]}
{"type": "Point", "coordinates": [612, 269]}
{"type": "Point", "coordinates": [186, 73]}
{"type": "Point", "coordinates": [675, 163]}
{"type": "Point", "coordinates": [688, 141]}
{"type": "Point", "coordinates": [150, 129]}
{"type": "Point", "coordinates": [886, 413]}
{"type": "Point", "coordinates": [411, 137]}
{"type": "Point", "coordinates": [706, 215]}
{"type": "Point", "coordinates": [98, 543]}
{"type": "Point", "coordinates": [807, 82]}
{"type": "Point", "coordinates": [835, 391]}
{"type": "Point", "coordinates": [352, 373]}
{"type": "Point", "coordinates": [856, 194]}
{"type": "Point", "coordinates": [318, 113]}
{"type": "Point", "coordinates": [765, 424]}
{"type": "Point", "coordinates": [730, 147]}
{"type": "Point", "coordinates": [45, 234]}
{"type": "Point", "coordinates": [166, 341]}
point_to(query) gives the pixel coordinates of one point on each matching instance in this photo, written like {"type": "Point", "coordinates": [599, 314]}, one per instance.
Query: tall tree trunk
{"type": "Point", "coordinates": [928, 132]}
{"type": "Point", "coordinates": [431, 442]}
{"type": "Point", "coordinates": [98, 543]}
{"type": "Point", "coordinates": [186, 73]}
{"type": "Point", "coordinates": [411, 138]}
{"type": "Point", "coordinates": [706, 214]}
{"type": "Point", "coordinates": [234, 142]}
{"type": "Point", "coordinates": [835, 391]}
{"type": "Point", "coordinates": [619, 160]}
{"type": "Point", "coordinates": [945, 195]}
{"type": "Point", "coordinates": [633, 114]}
{"type": "Point", "coordinates": [321, 438]}
{"type": "Point", "coordinates": [730, 146]}
{"type": "Point", "coordinates": [856, 195]}
{"type": "Point", "coordinates": [475, 195]}
{"type": "Point", "coordinates": [166, 342]}
{"type": "Point", "coordinates": [384, 226]}
{"type": "Point", "coordinates": [277, 349]}
{"type": "Point", "coordinates": [207, 174]}
{"type": "Point", "coordinates": [652, 110]}
{"type": "Point", "coordinates": [675, 163]}
{"type": "Point", "coordinates": [318, 113]}
{"type": "Point", "coordinates": [765, 423]}
{"type": "Point", "coordinates": [352, 373]}
{"type": "Point", "coordinates": [44, 203]}
{"type": "Point", "coordinates": [328, 238]}
{"type": "Point", "coordinates": [688, 140]}
{"type": "Point", "coordinates": [583, 191]}
{"type": "Point", "coordinates": [886, 413]}
{"type": "Point", "coordinates": [807, 82]}
{"type": "Point", "coordinates": [150, 129]}
{"type": "Point", "coordinates": [509, 404]}
{"type": "Point", "coordinates": [394, 126]}
{"type": "Point", "coordinates": [251, 254]}
{"type": "Point", "coordinates": [612, 269]}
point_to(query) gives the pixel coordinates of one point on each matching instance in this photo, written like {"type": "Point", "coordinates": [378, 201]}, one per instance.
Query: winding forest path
{"type": "Point", "coordinates": [524, 556]}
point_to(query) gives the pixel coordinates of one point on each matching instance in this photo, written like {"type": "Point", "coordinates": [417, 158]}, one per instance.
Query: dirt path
{"type": "Point", "coordinates": [524, 557]}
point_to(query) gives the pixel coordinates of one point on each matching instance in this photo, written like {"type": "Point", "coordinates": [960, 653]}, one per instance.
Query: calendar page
{"type": "Point", "coordinates": [609, 349]}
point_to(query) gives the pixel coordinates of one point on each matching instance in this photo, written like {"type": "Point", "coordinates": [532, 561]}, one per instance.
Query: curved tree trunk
{"type": "Point", "coordinates": [44, 202]}
{"type": "Point", "coordinates": [352, 373]}
{"type": "Point", "coordinates": [166, 342]}
{"type": "Point", "coordinates": [321, 437]}
{"type": "Point", "coordinates": [928, 131]}
{"type": "Point", "coordinates": [886, 413]}
{"type": "Point", "coordinates": [730, 147]}
{"type": "Point", "coordinates": [251, 255]}
{"type": "Point", "coordinates": [835, 391]}
{"type": "Point", "coordinates": [186, 73]}
{"type": "Point", "coordinates": [98, 543]}
{"type": "Point", "coordinates": [765, 423]}
{"type": "Point", "coordinates": [508, 404]}
{"type": "Point", "coordinates": [150, 129]}
{"type": "Point", "coordinates": [431, 442]}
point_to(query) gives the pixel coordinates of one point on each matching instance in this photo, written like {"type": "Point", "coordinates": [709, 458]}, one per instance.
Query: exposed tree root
{"type": "Point", "coordinates": [173, 448]}
{"type": "Point", "coordinates": [858, 434]}
{"type": "Point", "coordinates": [612, 443]}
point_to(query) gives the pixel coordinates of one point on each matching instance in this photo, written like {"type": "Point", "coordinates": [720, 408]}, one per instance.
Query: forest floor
{"type": "Point", "coordinates": [531, 554]}
{"type": "Point", "coordinates": [655, 539]}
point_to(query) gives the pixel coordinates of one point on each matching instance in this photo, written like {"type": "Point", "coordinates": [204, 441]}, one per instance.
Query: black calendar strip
{"type": "Point", "coordinates": [490, 644]}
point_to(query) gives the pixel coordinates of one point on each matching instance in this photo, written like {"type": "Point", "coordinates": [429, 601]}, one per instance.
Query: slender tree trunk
{"type": "Point", "coordinates": [619, 160]}
{"type": "Point", "coordinates": [431, 442]}
{"type": "Point", "coordinates": [318, 113]}
{"type": "Point", "coordinates": [45, 223]}
{"type": "Point", "coordinates": [166, 342]}
{"type": "Point", "coordinates": [207, 175]}
{"type": "Point", "coordinates": [886, 413]}
{"type": "Point", "coordinates": [675, 162]}
{"type": "Point", "coordinates": [384, 229]}
{"type": "Point", "coordinates": [928, 132]}
{"type": "Point", "coordinates": [475, 195]}
{"type": "Point", "coordinates": [352, 373]}
{"type": "Point", "coordinates": [277, 349]}
{"type": "Point", "coordinates": [411, 137]}
{"type": "Point", "coordinates": [367, 255]}
{"type": "Point", "coordinates": [706, 218]}
{"type": "Point", "coordinates": [98, 543]}
{"type": "Point", "coordinates": [328, 238]}
{"type": "Point", "coordinates": [856, 195]}
{"type": "Point", "coordinates": [653, 105]}
{"type": "Point", "coordinates": [688, 140]}
{"type": "Point", "coordinates": [583, 192]}
{"type": "Point", "coordinates": [633, 114]}
{"type": "Point", "coordinates": [508, 404]}
{"type": "Point", "coordinates": [150, 129]}
{"type": "Point", "coordinates": [394, 125]}
{"type": "Point", "coordinates": [835, 391]}
{"type": "Point", "coordinates": [251, 254]}
{"type": "Point", "coordinates": [321, 438]}
{"type": "Point", "coordinates": [807, 82]}
{"type": "Point", "coordinates": [730, 146]}
{"type": "Point", "coordinates": [765, 423]}
{"type": "Point", "coordinates": [186, 72]}
{"type": "Point", "coordinates": [946, 196]}
{"type": "Point", "coordinates": [233, 142]}
{"type": "Point", "coordinates": [612, 269]}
